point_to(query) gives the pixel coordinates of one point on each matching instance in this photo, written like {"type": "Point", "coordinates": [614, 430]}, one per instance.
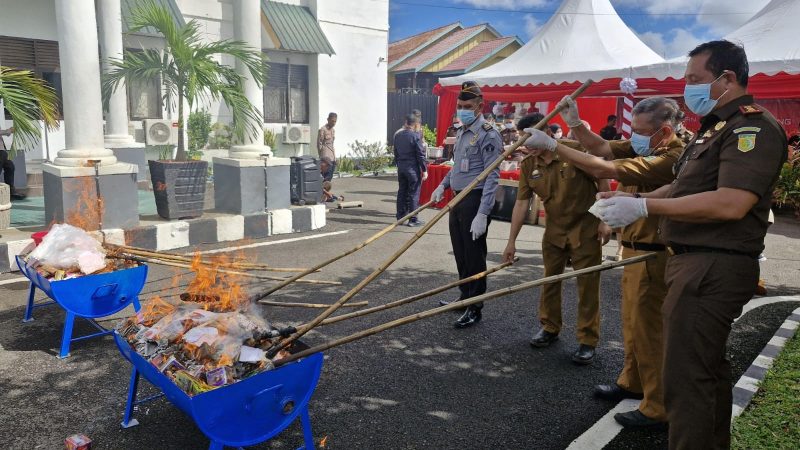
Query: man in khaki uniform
{"type": "Point", "coordinates": [571, 233]}
{"type": "Point", "coordinates": [325, 139]}
{"type": "Point", "coordinates": [714, 219]}
{"type": "Point", "coordinates": [641, 164]}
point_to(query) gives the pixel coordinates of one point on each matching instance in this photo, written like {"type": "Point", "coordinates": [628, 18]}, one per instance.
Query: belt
{"type": "Point", "coordinates": [678, 249]}
{"type": "Point", "coordinates": [474, 190]}
{"type": "Point", "coordinates": [645, 246]}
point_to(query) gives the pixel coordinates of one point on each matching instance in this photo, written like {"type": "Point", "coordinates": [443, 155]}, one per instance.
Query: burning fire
{"type": "Point", "coordinates": [88, 210]}
{"type": "Point", "coordinates": [324, 442]}
{"type": "Point", "coordinates": [218, 290]}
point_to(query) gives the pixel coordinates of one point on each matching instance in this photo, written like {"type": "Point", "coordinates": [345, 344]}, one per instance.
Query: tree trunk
{"type": "Point", "coordinates": [181, 155]}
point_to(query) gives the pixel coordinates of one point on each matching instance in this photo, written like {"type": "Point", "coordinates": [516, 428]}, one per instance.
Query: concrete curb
{"type": "Point", "coordinates": [747, 386]}
{"type": "Point", "coordinates": [186, 233]}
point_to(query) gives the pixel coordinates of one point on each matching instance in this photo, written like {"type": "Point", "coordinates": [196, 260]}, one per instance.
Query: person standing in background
{"type": "Point", "coordinates": [8, 165]}
{"type": "Point", "coordinates": [609, 132]}
{"type": "Point", "coordinates": [451, 132]}
{"type": "Point", "coordinates": [412, 169]}
{"type": "Point", "coordinates": [325, 139]}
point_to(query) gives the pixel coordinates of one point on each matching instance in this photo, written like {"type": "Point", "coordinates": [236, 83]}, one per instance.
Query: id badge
{"type": "Point", "coordinates": [464, 165]}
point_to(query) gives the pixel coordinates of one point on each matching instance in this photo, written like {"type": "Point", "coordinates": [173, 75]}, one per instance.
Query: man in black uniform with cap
{"type": "Point", "coordinates": [478, 145]}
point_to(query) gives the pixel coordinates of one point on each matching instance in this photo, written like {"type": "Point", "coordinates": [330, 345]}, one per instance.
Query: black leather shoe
{"type": "Point", "coordinates": [614, 393]}
{"type": "Point", "coordinates": [583, 355]}
{"type": "Point", "coordinates": [470, 317]}
{"type": "Point", "coordinates": [543, 338]}
{"type": "Point", "coordinates": [415, 223]}
{"type": "Point", "coordinates": [635, 419]}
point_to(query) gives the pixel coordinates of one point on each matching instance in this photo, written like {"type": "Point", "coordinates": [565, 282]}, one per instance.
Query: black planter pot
{"type": "Point", "coordinates": [179, 187]}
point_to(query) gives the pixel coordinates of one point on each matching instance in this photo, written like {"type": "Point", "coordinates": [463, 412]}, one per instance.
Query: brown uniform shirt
{"type": "Point", "coordinates": [567, 194]}
{"type": "Point", "coordinates": [509, 136]}
{"type": "Point", "coordinates": [739, 146]}
{"type": "Point", "coordinates": [325, 139]}
{"type": "Point", "coordinates": [644, 174]}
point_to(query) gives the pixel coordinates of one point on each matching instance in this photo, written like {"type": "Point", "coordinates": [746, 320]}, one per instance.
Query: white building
{"type": "Point", "coordinates": [325, 55]}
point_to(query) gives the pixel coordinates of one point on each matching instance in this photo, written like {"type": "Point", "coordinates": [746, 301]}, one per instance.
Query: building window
{"type": "Point", "coordinates": [38, 56]}
{"type": "Point", "coordinates": [286, 94]}
{"type": "Point", "coordinates": [144, 98]}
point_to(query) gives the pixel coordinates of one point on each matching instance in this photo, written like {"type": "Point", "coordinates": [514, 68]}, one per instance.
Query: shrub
{"type": "Point", "coordinates": [371, 156]}
{"type": "Point", "coordinates": [429, 136]}
{"type": "Point", "coordinates": [345, 164]}
{"type": "Point", "coordinates": [787, 189]}
{"type": "Point", "coordinates": [221, 137]}
{"type": "Point", "coordinates": [269, 139]}
{"type": "Point", "coordinates": [198, 129]}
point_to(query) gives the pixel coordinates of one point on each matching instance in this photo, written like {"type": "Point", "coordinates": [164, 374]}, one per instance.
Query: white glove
{"type": "Point", "coordinates": [438, 194]}
{"type": "Point", "coordinates": [478, 227]}
{"type": "Point", "coordinates": [539, 140]}
{"type": "Point", "coordinates": [570, 112]}
{"type": "Point", "coordinates": [621, 211]}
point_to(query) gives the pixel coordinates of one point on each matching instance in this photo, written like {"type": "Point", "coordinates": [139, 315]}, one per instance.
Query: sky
{"type": "Point", "coordinates": [670, 27]}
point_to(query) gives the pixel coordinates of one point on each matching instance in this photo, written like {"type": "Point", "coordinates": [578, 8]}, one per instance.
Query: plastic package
{"type": "Point", "coordinates": [67, 247]}
{"type": "Point", "coordinates": [597, 208]}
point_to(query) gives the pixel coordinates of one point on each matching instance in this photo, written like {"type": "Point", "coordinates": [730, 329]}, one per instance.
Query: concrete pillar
{"type": "Point", "coordinates": [110, 25]}
{"type": "Point", "coordinates": [71, 184]}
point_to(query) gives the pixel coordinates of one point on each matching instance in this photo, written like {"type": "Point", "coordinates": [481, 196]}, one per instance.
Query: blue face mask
{"type": "Point", "coordinates": [698, 97]}
{"type": "Point", "coordinates": [641, 143]}
{"type": "Point", "coordinates": [466, 116]}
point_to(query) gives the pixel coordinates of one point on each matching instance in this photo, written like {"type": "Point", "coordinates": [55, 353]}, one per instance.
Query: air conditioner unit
{"type": "Point", "coordinates": [296, 134]}
{"type": "Point", "coordinates": [160, 132]}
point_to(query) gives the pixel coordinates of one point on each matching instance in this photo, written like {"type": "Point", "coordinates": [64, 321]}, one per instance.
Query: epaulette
{"type": "Point", "coordinates": [750, 109]}
{"type": "Point", "coordinates": [487, 126]}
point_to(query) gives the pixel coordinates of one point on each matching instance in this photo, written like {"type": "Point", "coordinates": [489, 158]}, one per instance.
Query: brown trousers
{"type": "Point", "coordinates": [588, 254]}
{"type": "Point", "coordinates": [706, 292]}
{"type": "Point", "coordinates": [643, 292]}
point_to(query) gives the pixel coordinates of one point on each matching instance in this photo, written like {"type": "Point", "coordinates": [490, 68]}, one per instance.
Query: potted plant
{"type": "Point", "coordinates": [191, 73]}
{"type": "Point", "coordinates": [28, 100]}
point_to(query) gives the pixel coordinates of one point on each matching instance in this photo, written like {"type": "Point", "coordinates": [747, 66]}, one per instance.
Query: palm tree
{"type": "Point", "coordinates": [28, 99]}
{"type": "Point", "coordinates": [189, 71]}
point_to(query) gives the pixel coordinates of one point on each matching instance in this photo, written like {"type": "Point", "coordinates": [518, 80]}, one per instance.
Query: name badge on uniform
{"type": "Point", "coordinates": [536, 174]}
{"type": "Point", "coordinates": [464, 165]}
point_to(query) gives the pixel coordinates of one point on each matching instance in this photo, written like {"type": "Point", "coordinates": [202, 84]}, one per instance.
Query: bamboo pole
{"type": "Point", "coordinates": [482, 176]}
{"type": "Point", "coordinates": [358, 247]}
{"type": "Point", "coordinates": [414, 298]}
{"type": "Point", "coordinates": [310, 305]}
{"type": "Point", "coordinates": [231, 272]}
{"type": "Point", "coordinates": [180, 258]}
{"type": "Point", "coordinates": [470, 301]}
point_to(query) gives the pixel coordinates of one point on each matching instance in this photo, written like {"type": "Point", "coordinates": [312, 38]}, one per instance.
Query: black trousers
{"type": "Point", "coordinates": [470, 255]}
{"type": "Point", "coordinates": [8, 169]}
{"type": "Point", "coordinates": [408, 190]}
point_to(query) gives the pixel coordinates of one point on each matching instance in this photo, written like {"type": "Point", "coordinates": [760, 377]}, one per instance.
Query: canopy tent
{"type": "Point", "coordinates": [584, 39]}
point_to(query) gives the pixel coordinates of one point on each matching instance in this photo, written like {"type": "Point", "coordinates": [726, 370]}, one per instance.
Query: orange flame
{"type": "Point", "coordinates": [155, 309]}
{"type": "Point", "coordinates": [218, 290]}
{"type": "Point", "coordinates": [323, 442]}
{"type": "Point", "coordinates": [88, 211]}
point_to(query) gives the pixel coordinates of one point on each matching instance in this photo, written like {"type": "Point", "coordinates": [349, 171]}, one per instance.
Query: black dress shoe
{"type": "Point", "coordinates": [583, 355]}
{"type": "Point", "coordinates": [414, 223]}
{"type": "Point", "coordinates": [543, 338]}
{"type": "Point", "coordinates": [470, 317]}
{"type": "Point", "coordinates": [615, 393]}
{"type": "Point", "coordinates": [635, 419]}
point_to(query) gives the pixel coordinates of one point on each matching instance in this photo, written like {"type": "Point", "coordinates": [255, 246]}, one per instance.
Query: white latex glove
{"type": "Point", "coordinates": [478, 227]}
{"type": "Point", "coordinates": [424, 176]}
{"type": "Point", "coordinates": [539, 140]}
{"type": "Point", "coordinates": [622, 211]}
{"type": "Point", "coordinates": [570, 112]}
{"type": "Point", "coordinates": [438, 194]}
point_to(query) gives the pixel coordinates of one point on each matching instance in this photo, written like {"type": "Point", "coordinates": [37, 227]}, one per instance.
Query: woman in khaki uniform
{"type": "Point", "coordinates": [641, 164]}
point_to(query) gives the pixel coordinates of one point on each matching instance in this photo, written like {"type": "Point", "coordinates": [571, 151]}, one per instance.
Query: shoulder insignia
{"type": "Point", "coordinates": [750, 109]}
{"type": "Point", "coordinates": [746, 142]}
{"type": "Point", "coordinates": [650, 158]}
{"type": "Point", "coordinates": [719, 125]}
{"type": "Point", "coordinates": [750, 129]}
{"type": "Point", "coordinates": [487, 126]}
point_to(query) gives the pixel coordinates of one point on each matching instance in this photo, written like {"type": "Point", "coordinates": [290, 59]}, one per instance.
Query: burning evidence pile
{"type": "Point", "coordinates": [211, 338]}
{"type": "Point", "coordinates": [69, 252]}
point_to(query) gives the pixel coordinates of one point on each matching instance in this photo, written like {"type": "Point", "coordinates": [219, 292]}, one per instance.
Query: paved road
{"type": "Point", "coordinates": [425, 385]}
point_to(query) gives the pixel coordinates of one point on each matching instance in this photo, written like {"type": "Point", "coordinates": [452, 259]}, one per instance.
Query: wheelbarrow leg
{"type": "Point", "coordinates": [29, 308]}
{"type": "Point", "coordinates": [137, 308]}
{"type": "Point", "coordinates": [215, 445]}
{"type": "Point", "coordinates": [127, 422]}
{"type": "Point", "coordinates": [66, 336]}
{"type": "Point", "coordinates": [308, 436]}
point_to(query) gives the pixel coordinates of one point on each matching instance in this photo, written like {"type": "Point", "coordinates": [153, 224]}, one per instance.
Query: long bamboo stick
{"type": "Point", "coordinates": [310, 305]}
{"type": "Point", "coordinates": [413, 298]}
{"type": "Point", "coordinates": [180, 258]}
{"type": "Point", "coordinates": [358, 247]}
{"type": "Point", "coordinates": [231, 272]}
{"type": "Point", "coordinates": [470, 301]}
{"type": "Point", "coordinates": [325, 314]}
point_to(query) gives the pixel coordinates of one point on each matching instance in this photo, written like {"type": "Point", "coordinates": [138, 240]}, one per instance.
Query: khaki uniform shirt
{"type": "Point", "coordinates": [739, 146]}
{"type": "Point", "coordinates": [644, 174]}
{"type": "Point", "coordinates": [325, 139]}
{"type": "Point", "coordinates": [509, 135]}
{"type": "Point", "coordinates": [567, 194]}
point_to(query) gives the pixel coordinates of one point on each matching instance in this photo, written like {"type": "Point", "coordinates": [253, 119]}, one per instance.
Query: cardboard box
{"type": "Point", "coordinates": [78, 442]}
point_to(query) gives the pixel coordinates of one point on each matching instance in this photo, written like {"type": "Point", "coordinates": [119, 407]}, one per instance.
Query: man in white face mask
{"type": "Point", "coordinates": [642, 164]}
{"type": "Point", "coordinates": [714, 218]}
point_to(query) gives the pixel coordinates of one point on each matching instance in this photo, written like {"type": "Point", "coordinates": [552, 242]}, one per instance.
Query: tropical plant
{"type": "Point", "coordinates": [220, 136]}
{"type": "Point", "coordinates": [27, 99]}
{"type": "Point", "coordinates": [345, 164]}
{"type": "Point", "coordinates": [269, 138]}
{"type": "Point", "coordinates": [787, 189]}
{"type": "Point", "coordinates": [371, 156]}
{"type": "Point", "coordinates": [189, 69]}
{"type": "Point", "coordinates": [198, 129]}
{"type": "Point", "coordinates": [429, 136]}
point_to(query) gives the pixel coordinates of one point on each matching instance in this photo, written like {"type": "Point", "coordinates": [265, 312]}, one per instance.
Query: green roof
{"type": "Point", "coordinates": [296, 28]}
{"type": "Point", "coordinates": [128, 5]}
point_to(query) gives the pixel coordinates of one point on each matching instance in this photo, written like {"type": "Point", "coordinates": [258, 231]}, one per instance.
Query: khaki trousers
{"type": "Point", "coordinates": [555, 258]}
{"type": "Point", "coordinates": [643, 292]}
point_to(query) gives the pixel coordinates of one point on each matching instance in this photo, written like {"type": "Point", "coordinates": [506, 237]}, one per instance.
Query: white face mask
{"type": "Point", "coordinates": [558, 134]}
{"type": "Point", "coordinates": [457, 125]}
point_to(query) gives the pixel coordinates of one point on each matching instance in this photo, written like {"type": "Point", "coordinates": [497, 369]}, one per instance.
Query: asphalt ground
{"type": "Point", "coordinates": [423, 385]}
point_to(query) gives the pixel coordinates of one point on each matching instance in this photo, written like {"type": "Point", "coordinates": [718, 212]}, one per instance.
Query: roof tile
{"type": "Point", "coordinates": [475, 55]}
{"type": "Point", "coordinates": [421, 59]}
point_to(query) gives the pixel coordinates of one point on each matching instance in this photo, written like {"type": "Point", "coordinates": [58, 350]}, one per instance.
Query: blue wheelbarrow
{"type": "Point", "coordinates": [89, 297]}
{"type": "Point", "coordinates": [244, 413]}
